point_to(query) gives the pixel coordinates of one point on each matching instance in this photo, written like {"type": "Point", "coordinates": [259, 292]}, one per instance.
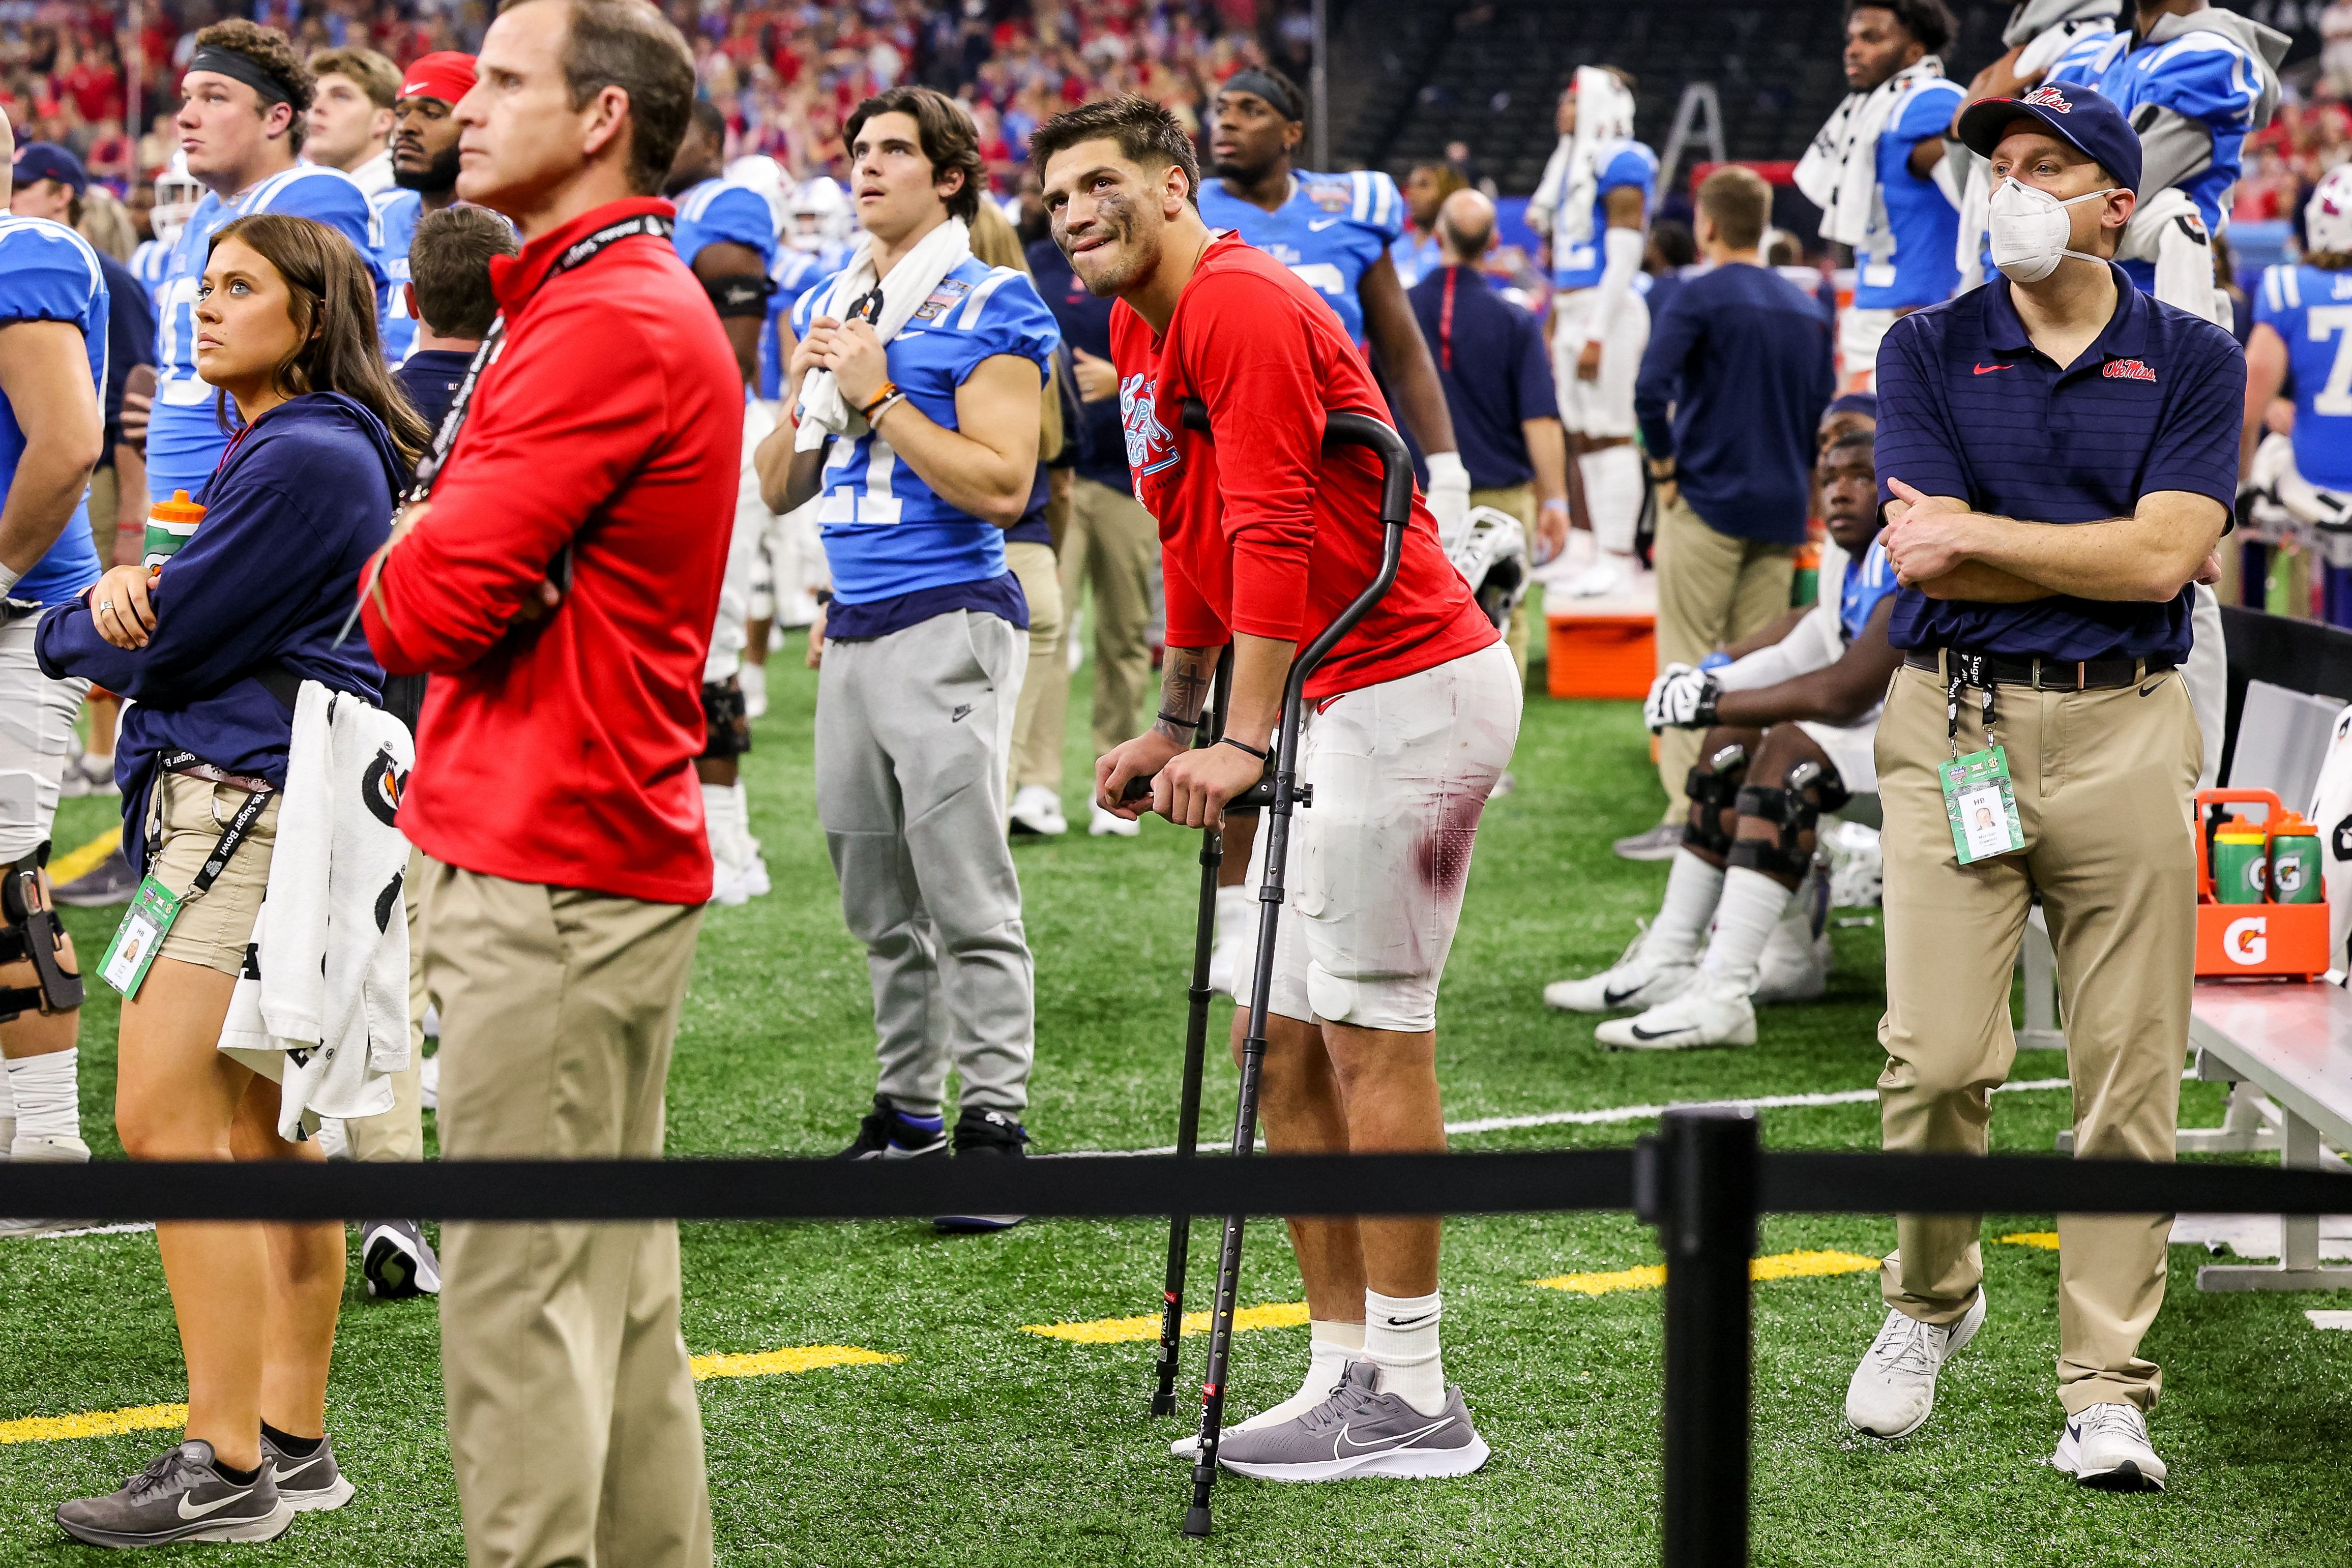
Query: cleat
{"type": "Point", "coordinates": [1791, 971]}
{"type": "Point", "coordinates": [984, 1135]}
{"type": "Point", "coordinates": [1658, 843]}
{"type": "Point", "coordinates": [1893, 1392]}
{"type": "Point", "coordinates": [182, 1496]}
{"type": "Point", "coordinates": [1633, 981]}
{"type": "Point", "coordinates": [1037, 810]}
{"type": "Point", "coordinates": [44, 1151]}
{"type": "Point", "coordinates": [397, 1261]}
{"type": "Point", "coordinates": [1707, 1013]}
{"type": "Point", "coordinates": [1359, 1432]}
{"type": "Point", "coordinates": [885, 1134]}
{"type": "Point", "coordinates": [310, 1483]}
{"type": "Point", "coordinates": [2106, 1447]}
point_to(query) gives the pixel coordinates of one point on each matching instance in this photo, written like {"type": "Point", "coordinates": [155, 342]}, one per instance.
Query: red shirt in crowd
{"type": "Point", "coordinates": [562, 751]}
{"type": "Point", "coordinates": [1283, 545]}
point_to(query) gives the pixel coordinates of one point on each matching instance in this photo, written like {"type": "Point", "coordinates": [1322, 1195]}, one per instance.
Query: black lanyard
{"type": "Point", "coordinates": [429, 469]}
{"type": "Point", "coordinates": [232, 837]}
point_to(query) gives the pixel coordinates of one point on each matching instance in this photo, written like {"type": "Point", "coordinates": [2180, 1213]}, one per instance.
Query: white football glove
{"type": "Point", "coordinates": [1681, 698]}
{"type": "Point", "coordinates": [1448, 493]}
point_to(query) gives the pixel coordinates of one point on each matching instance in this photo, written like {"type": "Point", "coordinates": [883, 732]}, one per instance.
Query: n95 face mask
{"type": "Point", "coordinates": [2027, 227]}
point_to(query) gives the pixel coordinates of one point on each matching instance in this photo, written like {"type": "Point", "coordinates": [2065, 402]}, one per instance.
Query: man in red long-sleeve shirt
{"type": "Point", "coordinates": [559, 586]}
{"type": "Point", "coordinates": [1265, 537]}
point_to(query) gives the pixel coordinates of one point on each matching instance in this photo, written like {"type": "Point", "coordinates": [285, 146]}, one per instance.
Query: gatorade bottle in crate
{"type": "Point", "coordinates": [2241, 863]}
{"type": "Point", "coordinates": [2295, 868]}
{"type": "Point", "coordinates": [170, 524]}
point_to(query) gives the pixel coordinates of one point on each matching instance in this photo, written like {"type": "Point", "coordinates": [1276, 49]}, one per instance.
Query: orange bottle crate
{"type": "Point", "coordinates": [2248, 941]}
{"type": "Point", "coordinates": [1601, 656]}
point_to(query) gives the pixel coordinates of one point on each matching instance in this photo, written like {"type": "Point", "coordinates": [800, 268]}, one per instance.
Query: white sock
{"type": "Point", "coordinates": [719, 825]}
{"type": "Point", "coordinates": [48, 1104]}
{"type": "Point", "coordinates": [743, 816]}
{"type": "Point", "coordinates": [1328, 1351]}
{"type": "Point", "coordinates": [1752, 904]}
{"type": "Point", "coordinates": [7, 1115]}
{"type": "Point", "coordinates": [1613, 495]}
{"type": "Point", "coordinates": [1692, 887]}
{"type": "Point", "coordinates": [1235, 905]}
{"type": "Point", "coordinates": [1401, 1339]}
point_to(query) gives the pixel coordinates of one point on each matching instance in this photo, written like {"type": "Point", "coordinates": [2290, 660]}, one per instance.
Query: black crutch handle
{"type": "Point", "coordinates": [1256, 797]}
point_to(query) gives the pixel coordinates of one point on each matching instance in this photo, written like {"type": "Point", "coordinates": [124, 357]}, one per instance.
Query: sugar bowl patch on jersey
{"type": "Point", "coordinates": [48, 273]}
{"type": "Point", "coordinates": [1329, 232]}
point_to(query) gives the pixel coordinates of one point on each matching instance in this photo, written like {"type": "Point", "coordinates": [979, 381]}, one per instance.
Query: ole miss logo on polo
{"type": "Point", "coordinates": [2128, 371]}
{"type": "Point", "coordinates": [2049, 98]}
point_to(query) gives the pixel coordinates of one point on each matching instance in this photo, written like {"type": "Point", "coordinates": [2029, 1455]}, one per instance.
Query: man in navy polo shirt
{"type": "Point", "coordinates": [2058, 395]}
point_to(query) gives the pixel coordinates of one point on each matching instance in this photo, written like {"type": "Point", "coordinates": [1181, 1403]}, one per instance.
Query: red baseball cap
{"type": "Point", "coordinates": [445, 74]}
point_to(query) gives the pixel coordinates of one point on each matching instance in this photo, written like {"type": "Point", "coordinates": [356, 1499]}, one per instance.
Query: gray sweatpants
{"type": "Point", "coordinates": [913, 733]}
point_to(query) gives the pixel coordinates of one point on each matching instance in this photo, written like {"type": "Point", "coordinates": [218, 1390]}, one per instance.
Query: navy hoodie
{"type": "Point", "coordinates": [261, 587]}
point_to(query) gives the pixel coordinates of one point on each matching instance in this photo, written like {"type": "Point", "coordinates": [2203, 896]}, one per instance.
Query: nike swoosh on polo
{"type": "Point", "coordinates": [190, 1508]}
{"type": "Point", "coordinates": [1987, 369]}
{"type": "Point", "coordinates": [1317, 228]}
{"type": "Point", "coordinates": [1343, 1441]}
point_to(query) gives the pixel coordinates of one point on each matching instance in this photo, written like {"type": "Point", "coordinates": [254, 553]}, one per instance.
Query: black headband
{"type": "Point", "coordinates": [245, 69]}
{"type": "Point", "coordinates": [1280, 94]}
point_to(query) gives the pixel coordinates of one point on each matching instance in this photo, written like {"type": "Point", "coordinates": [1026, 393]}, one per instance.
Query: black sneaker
{"type": "Point", "coordinates": [885, 1134]}
{"type": "Point", "coordinates": [308, 1483]}
{"type": "Point", "coordinates": [985, 1132]}
{"type": "Point", "coordinates": [182, 1496]}
{"type": "Point", "coordinates": [107, 883]}
{"type": "Point", "coordinates": [397, 1261]}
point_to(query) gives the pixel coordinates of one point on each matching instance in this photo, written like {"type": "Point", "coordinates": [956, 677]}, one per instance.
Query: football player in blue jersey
{"type": "Point", "coordinates": [726, 234]}
{"type": "Point", "coordinates": [916, 373]}
{"type": "Point", "coordinates": [1592, 205]}
{"type": "Point", "coordinates": [424, 177]}
{"type": "Point", "coordinates": [1334, 230]}
{"type": "Point", "coordinates": [241, 124]}
{"type": "Point", "coordinates": [176, 195]}
{"type": "Point", "coordinates": [1880, 174]}
{"type": "Point", "coordinates": [53, 308]}
{"type": "Point", "coordinates": [2195, 81]}
{"type": "Point", "coordinates": [2303, 340]}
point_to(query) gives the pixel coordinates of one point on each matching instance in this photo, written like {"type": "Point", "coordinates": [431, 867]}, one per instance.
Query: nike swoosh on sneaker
{"type": "Point", "coordinates": [190, 1509]}
{"type": "Point", "coordinates": [1641, 1033]}
{"type": "Point", "coordinates": [1619, 999]}
{"type": "Point", "coordinates": [287, 1475]}
{"type": "Point", "coordinates": [1344, 1441]}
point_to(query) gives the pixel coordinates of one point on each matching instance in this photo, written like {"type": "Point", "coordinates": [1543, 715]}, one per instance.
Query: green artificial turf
{"type": "Point", "coordinates": [987, 1446]}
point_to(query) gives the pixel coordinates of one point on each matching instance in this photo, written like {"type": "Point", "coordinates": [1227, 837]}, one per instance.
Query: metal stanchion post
{"type": "Point", "coordinates": [1696, 1181]}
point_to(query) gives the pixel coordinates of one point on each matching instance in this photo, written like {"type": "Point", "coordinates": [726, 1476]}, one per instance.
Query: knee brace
{"type": "Point", "coordinates": [29, 933]}
{"type": "Point", "coordinates": [727, 724]}
{"type": "Point", "coordinates": [1714, 790]}
{"type": "Point", "coordinates": [1794, 807]}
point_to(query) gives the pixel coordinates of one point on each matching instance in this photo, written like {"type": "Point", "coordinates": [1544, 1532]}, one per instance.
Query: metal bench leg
{"type": "Point", "coordinates": [2298, 1267]}
{"type": "Point", "coordinates": [2040, 1031]}
{"type": "Point", "coordinates": [2250, 1122]}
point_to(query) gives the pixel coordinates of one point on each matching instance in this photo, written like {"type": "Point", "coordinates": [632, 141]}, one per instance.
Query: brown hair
{"type": "Point", "coordinates": [1146, 132]}
{"type": "Point", "coordinates": [995, 241]}
{"type": "Point", "coordinates": [273, 51]}
{"type": "Point", "coordinates": [629, 44]}
{"type": "Point", "coordinates": [375, 75]}
{"type": "Point", "coordinates": [1737, 201]}
{"type": "Point", "coordinates": [946, 133]}
{"type": "Point", "coordinates": [332, 305]}
{"type": "Point", "coordinates": [449, 262]}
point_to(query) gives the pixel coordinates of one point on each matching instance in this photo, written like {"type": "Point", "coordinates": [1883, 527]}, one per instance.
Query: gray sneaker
{"type": "Point", "coordinates": [311, 1483]}
{"type": "Point", "coordinates": [1360, 1431]}
{"type": "Point", "coordinates": [397, 1261]}
{"type": "Point", "coordinates": [180, 1497]}
{"type": "Point", "coordinates": [1658, 843]}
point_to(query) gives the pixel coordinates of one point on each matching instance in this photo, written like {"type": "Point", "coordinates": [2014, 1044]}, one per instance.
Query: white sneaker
{"type": "Point", "coordinates": [1608, 575]}
{"type": "Point", "coordinates": [1103, 824]}
{"type": "Point", "coordinates": [1633, 981]}
{"type": "Point", "coordinates": [753, 679]}
{"type": "Point", "coordinates": [1037, 810]}
{"type": "Point", "coordinates": [2106, 1447]}
{"type": "Point", "coordinates": [39, 1150]}
{"type": "Point", "coordinates": [1893, 1392]}
{"type": "Point", "coordinates": [1707, 1012]}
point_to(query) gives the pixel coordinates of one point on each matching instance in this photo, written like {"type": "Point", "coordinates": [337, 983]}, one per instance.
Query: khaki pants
{"type": "Point", "coordinates": [1519, 501]}
{"type": "Point", "coordinates": [1037, 718]}
{"type": "Point", "coordinates": [398, 1135]}
{"type": "Point", "coordinates": [1112, 547]}
{"type": "Point", "coordinates": [573, 1422]}
{"type": "Point", "coordinates": [2103, 781]}
{"type": "Point", "coordinates": [1713, 588]}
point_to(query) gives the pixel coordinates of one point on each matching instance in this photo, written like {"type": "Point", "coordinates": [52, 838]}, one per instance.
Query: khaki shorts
{"type": "Point", "coordinates": [217, 929]}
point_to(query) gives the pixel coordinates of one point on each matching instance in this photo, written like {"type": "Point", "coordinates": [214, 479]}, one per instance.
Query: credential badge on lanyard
{"type": "Point", "coordinates": [1979, 800]}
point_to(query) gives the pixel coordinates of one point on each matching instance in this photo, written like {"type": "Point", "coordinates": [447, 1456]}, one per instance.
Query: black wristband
{"type": "Point", "coordinates": [1241, 746]}
{"type": "Point", "coordinates": [1167, 717]}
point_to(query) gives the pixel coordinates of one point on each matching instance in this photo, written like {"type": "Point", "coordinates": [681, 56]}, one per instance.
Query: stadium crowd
{"type": "Point", "coordinates": [903, 386]}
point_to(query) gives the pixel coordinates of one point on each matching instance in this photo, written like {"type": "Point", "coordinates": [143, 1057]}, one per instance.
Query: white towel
{"type": "Point", "coordinates": [1561, 208]}
{"type": "Point", "coordinates": [322, 1006]}
{"type": "Point", "coordinates": [1839, 173]}
{"type": "Point", "coordinates": [919, 271]}
{"type": "Point", "coordinates": [2166, 229]}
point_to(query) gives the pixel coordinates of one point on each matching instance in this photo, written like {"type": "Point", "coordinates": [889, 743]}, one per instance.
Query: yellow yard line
{"type": "Point", "coordinates": [2046, 1239]}
{"type": "Point", "coordinates": [79, 862]}
{"type": "Point", "coordinates": [92, 1423]}
{"type": "Point", "coordinates": [149, 1417]}
{"type": "Point", "coordinates": [1798, 1265]}
{"type": "Point", "coordinates": [796, 1358]}
{"type": "Point", "coordinates": [1119, 1331]}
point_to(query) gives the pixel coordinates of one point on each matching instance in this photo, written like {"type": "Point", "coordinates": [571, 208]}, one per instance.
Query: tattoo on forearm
{"type": "Point", "coordinates": [1184, 690]}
